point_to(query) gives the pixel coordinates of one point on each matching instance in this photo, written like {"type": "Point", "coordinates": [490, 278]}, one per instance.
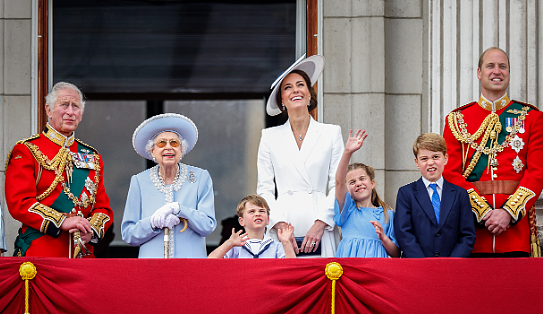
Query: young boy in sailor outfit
{"type": "Point", "coordinates": [253, 212]}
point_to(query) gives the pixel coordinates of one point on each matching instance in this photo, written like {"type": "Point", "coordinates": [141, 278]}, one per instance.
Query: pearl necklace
{"type": "Point", "coordinates": [160, 185]}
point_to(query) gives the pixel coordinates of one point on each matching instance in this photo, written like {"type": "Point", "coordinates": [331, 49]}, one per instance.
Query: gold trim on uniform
{"type": "Point", "coordinates": [63, 161]}
{"type": "Point", "coordinates": [48, 214]}
{"type": "Point", "coordinates": [57, 165]}
{"type": "Point", "coordinates": [98, 222]}
{"type": "Point", "coordinates": [489, 129]}
{"type": "Point", "coordinates": [8, 158]}
{"type": "Point", "coordinates": [496, 106]}
{"type": "Point", "coordinates": [479, 206]}
{"type": "Point", "coordinates": [516, 203]}
{"type": "Point", "coordinates": [85, 201]}
{"type": "Point", "coordinates": [58, 138]}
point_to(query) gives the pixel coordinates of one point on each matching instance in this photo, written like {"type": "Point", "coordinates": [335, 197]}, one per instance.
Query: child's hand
{"type": "Point", "coordinates": [355, 142]}
{"type": "Point", "coordinates": [285, 232]}
{"type": "Point", "coordinates": [237, 238]}
{"type": "Point", "coordinates": [379, 230]}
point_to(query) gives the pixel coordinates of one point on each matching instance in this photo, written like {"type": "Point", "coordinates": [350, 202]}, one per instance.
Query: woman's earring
{"type": "Point", "coordinates": [283, 105]}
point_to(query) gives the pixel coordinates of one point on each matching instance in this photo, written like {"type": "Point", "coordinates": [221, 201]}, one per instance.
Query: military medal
{"type": "Point", "coordinates": [517, 164]}
{"type": "Point", "coordinates": [521, 124]}
{"type": "Point", "coordinates": [509, 125]}
{"type": "Point", "coordinates": [517, 144]}
{"type": "Point", "coordinates": [91, 187]}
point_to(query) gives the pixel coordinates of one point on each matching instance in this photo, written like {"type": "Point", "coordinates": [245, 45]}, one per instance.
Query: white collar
{"type": "Point", "coordinates": [439, 182]}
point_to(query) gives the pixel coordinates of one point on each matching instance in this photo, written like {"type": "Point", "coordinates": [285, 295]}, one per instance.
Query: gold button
{"type": "Point", "coordinates": [494, 176]}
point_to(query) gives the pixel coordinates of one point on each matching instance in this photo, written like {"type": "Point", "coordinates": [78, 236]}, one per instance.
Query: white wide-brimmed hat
{"type": "Point", "coordinates": [166, 122]}
{"type": "Point", "coordinates": [312, 66]}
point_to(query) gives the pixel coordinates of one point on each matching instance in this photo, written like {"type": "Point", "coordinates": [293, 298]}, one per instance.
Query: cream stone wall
{"type": "Point", "coordinates": [15, 89]}
{"type": "Point", "coordinates": [373, 80]}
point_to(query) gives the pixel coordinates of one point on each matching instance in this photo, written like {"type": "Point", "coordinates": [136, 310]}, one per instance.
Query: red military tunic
{"type": "Point", "coordinates": [497, 158]}
{"type": "Point", "coordinates": [42, 175]}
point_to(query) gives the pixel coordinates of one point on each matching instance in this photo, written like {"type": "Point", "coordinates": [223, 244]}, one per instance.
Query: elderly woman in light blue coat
{"type": "Point", "coordinates": [169, 208]}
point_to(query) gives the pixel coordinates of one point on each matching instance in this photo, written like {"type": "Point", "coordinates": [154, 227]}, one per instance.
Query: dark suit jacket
{"type": "Point", "coordinates": [416, 226]}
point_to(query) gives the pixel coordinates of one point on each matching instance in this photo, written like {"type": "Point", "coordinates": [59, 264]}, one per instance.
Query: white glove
{"type": "Point", "coordinates": [175, 207]}
{"type": "Point", "coordinates": [168, 209]}
{"type": "Point", "coordinates": [171, 221]}
{"type": "Point", "coordinates": [157, 221]}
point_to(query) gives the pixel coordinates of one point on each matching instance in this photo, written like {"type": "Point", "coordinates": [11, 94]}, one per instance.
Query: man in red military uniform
{"type": "Point", "coordinates": [495, 148]}
{"type": "Point", "coordinates": [54, 184]}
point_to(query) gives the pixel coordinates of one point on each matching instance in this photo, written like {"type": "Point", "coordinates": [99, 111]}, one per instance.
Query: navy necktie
{"type": "Point", "coordinates": [436, 203]}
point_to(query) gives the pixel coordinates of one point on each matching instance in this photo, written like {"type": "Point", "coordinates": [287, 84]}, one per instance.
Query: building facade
{"type": "Point", "coordinates": [394, 68]}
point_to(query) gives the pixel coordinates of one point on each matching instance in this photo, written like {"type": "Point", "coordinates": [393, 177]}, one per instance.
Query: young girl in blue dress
{"type": "Point", "coordinates": [366, 221]}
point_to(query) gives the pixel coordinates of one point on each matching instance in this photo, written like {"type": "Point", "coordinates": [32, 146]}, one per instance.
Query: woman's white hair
{"type": "Point", "coordinates": [151, 143]}
{"type": "Point", "coordinates": [51, 98]}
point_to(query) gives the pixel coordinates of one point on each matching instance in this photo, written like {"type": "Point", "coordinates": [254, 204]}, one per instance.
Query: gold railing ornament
{"type": "Point", "coordinates": [333, 271]}
{"type": "Point", "coordinates": [28, 272]}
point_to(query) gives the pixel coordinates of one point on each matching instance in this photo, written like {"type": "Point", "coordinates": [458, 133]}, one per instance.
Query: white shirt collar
{"type": "Point", "coordinates": [439, 183]}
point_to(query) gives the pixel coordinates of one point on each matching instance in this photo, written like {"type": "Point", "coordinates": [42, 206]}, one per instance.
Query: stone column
{"type": "Point", "coordinates": [373, 80]}
{"type": "Point", "coordinates": [15, 88]}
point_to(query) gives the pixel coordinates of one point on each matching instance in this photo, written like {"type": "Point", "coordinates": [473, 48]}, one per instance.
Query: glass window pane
{"type": "Point", "coordinates": [108, 127]}
{"type": "Point", "coordinates": [227, 147]}
{"type": "Point", "coordinates": [125, 46]}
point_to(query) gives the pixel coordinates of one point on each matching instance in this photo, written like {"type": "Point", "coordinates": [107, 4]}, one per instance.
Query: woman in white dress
{"type": "Point", "coordinates": [297, 162]}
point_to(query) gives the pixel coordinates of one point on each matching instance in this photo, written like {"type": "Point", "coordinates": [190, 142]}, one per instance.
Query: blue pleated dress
{"type": "Point", "coordinates": [359, 237]}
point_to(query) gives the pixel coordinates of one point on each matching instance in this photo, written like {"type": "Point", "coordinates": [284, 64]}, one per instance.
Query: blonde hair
{"type": "Point", "coordinates": [375, 199]}
{"type": "Point", "coordinates": [430, 141]}
{"type": "Point", "coordinates": [253, 199]}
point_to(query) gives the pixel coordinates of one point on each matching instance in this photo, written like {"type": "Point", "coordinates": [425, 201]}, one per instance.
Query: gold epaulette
{"type": "Point", "coordinates": [86, 145]}
{"type": "Point", "coordinates": [464, 106]}
{"type": "Point", "coordinates": [33, 137]}
{"type": "Point", "coordinates": [516, 203]}
{"type": "Point", "coordinates": [526, 104]}
{"type": "Point", "coordinates": [479, 206]}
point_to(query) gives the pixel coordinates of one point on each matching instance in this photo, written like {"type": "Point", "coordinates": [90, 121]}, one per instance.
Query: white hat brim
{"type": "Point", "coordinates": [167, 122]}
{"type": "Point", "coordinates": [312, 66]}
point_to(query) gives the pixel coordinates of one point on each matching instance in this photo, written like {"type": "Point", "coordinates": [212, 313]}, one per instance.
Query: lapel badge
{"type": "Point", "coordinates": [517, 144]}
{"type": "Point", "coordinates": [84, 150]}
{"type": "Point", "coordinates": [18, 157]}
{"type": "Point", "coordinates": [192, 177]}
{"type": "Point", "coordinates": [517, 164]}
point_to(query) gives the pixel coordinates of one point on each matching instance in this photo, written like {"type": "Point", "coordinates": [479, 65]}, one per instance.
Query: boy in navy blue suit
{"type": "Point", "coordinates": [433, 216]}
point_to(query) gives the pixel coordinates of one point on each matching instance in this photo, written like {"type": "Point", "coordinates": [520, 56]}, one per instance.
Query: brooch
{"type": "Point", "coordinates": [517, 164]}
{"type": "Point", "coordinates": [192, 177]}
